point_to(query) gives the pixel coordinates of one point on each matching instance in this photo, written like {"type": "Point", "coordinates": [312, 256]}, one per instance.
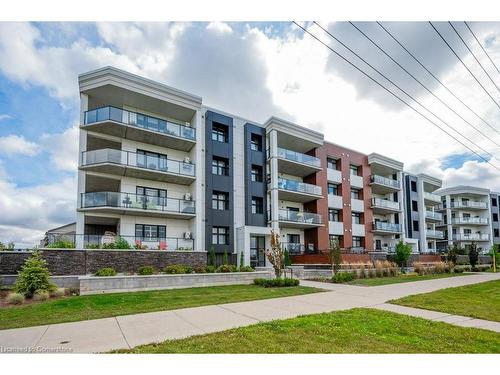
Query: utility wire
{"type": "Point", "coordinates": [480, 45]}
{"type": "Point", "coordinates": [466, 67]}
{"type": "Point", "coordinates": [420, 83]}
{"type": "Point", "coordinates": [473, 55]}
{"type": "Point", "coordinates": [393, 94]}
{"type": "Point", "coordinates": [436, 78]}
{"type": "Point", "coordinates": [406, 93]}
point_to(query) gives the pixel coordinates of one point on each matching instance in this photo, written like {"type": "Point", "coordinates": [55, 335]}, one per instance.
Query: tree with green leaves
{"type": "Point", "coordinates": [403, 252]}
{"type": "Point", "coordinates": [287, 261]}
{"type": "Point", "coordinates": [211, 257]}
{"type": "Point", "coordinates": [335, 254]}
{"type": "Point", "coordinates": [34, 276]}
{"type": "Point", "coordinates": [225, 258]}
{"type": "Point", "coordinates": [495, 256]}
{"type": "Point", "coordinates": [473, 254]}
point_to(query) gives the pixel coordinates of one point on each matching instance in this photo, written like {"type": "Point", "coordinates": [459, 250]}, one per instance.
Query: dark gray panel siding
{"type": "Point", "coordinates": [410, 214]}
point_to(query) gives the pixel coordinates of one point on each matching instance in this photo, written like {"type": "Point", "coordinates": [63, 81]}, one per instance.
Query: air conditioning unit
{"type": "Point", "coordinates": [187, 159]}
{"type": "Point", "coordinates": [187, 235]}
{"type": "Point", "coordinates": [188, 124]}
{"type": "Point", "coordinates": [187, 197]}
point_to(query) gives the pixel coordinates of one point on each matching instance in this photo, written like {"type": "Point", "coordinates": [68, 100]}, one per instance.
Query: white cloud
{"type": "Point", "coordinates": [63, 148]}
{"type": "Point", "coordinates": [219, 27]}
{"type": "Point", "coordinates": [4, 116]}
{"type": "Point", "coordinates": [11, 145]}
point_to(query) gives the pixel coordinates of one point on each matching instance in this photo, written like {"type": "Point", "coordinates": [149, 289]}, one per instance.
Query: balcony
{"type": "Point", "coordinates": [335, 201]}
{"type": "Point", "coordinates": [471, 205]}
{"type": "Point", "coordinates": [296, 163]}
{"type": "Point", "coordinates": [470, 221]}
{"type": "Point", "coordinates": [433, 216]}
{"type": "Point", "coordinates": [471, 237]}
{"type": "Point", "coordinates": [138, 127]}
{"type": "Point", "coordinates": [383, 185]}
{"type": "Point", "coordinates": [298, 219]}
{"type": "Point", "coordinates": [431, 233]}
{"type": "Point", "coordinates": [431, 199]}
{"type": "Point", "coordinates": [140, 205]}
{"type": "Point", "coordinates": [383, 227]}
{"type": "Point", "coordinates": [380, 205]}
{"type": "Point", "coordinates": [297, 191]}
{"type": "Point", "coordinates": [131, 164]}
{"type": "Point", "coordinates": [334, 175]}
{"type": "Point", "coordinates": [336, 228]}
{"type": "Point", "coordinates": [293, 248]}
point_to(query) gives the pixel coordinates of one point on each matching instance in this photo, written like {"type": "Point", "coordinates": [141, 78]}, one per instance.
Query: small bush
{"type": "Point", "coordinates": [343, 277]}
{"type": "Point", "coordinates": [481, 268]}
{"type": "Point", "coordinates": [15, 299]}
{"type": "Point", "coordinates": [106, 271]}
{"type": "Point", "coordinates": [210, 269]}
{"type": "Point", "coordinates": [175, 269]}
{"type": "Point", "coordinates": [72, 291]}
{"type": "Point", "coordinates": [146, 270]}
{"type": "Point", "coordinates": [372, 274]}
{"type": "Point", "coordinates": [439, 267]}
{"type": "Point", "coordinates": [34, 276]}
{"type": "Point", "coordinates": [225, 268]}
{"type": "Point", "coordinates": [246, 269]}
{"type": "Point", "coordinates": [200, 270]}
{"type": "Point", "coordinates": [92, 246]}
{"type": "Point", "coordinates": [458, 270]}
{"type": "Point", "coordinates": [62, 245]}
{"type": "Point", "coordinates": [276, 283]}
{"type": "Point", "coordinates": [57, 293]}
{"type": "Point", "coordinates": [41, 295]}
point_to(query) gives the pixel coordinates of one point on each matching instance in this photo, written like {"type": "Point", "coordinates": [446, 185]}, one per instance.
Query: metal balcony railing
{"type": "Point", "coordinates": [387, 227]}
{"type": "Point", "coordinates": [297, 186]}
{"type": "Point", "coordinates": [470, 220]}
{"type": "Point", "coordinates": [300, 217]}
{"type": "Point", "coordinates": [434, 233]}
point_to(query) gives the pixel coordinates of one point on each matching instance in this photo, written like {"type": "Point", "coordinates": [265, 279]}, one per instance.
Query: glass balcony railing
{"type": "Point", "coordinates": [136, 201]}
{"type": "Point", "coordinates": [470, 220]}
{"type": "Point", "coordinates": [432, 197]}
{"type": "Point", "coordinates": [298, 157]}
{"type": "Point", "coordinates": [300, 217]}
{"type": "Point", "coordinates": [387, 227]}
{"type": "Point", "coordinates": [433, 215]}
{"type": "Point", "coordinates": [376, 179]}
{"type": "Point", "coordinates": [472, 237]}
{"type": "Point", "coordinates": [140, 121]}
{"type": "Point", "coordinates": [434, 233]}
{"type": "Point", "coordinates": [385, 203]}
{"type": "Point", "coordinates": [469, 204]}
{"type": "Point", "coordinates": [133, 159]}
{"type": "Point", "coordinates": [299, 187]}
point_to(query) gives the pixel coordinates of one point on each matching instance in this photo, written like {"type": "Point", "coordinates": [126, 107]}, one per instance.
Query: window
{"type": "Point", "coordinates": [356, 218]}
{"type": "Point", "coordinates": [331, 163]}
{"type": "Point", "coordinates": [256, 173]}
{"type": "Point", "coordinates": [494, 202]}
{"type": "Point", "coordinates": [495, 217]}
{"type": "Point", "coordinates": [496, 232]}
{"type": "Point", "coordinates": [219, 133]}
{"type": "Point", "coordinates": [151, 160]}
{"type": "Point", "coordinates": [220, 166]}
{"type": "Point", "coordinates": [147, 195]}
{"type": "Point", "coordinates": [147, 232]}
{"type": "Point", "coordinates": [333, 215]}
{"type": "Point", "coordinates": [220, 235]}
{"type": "Point", "coordinates": [334, 238]}
{"type": "Point", "coordinates": [355, 193]}
{"type": "Point", "coordinates": [414, 206]}
{"type": "Point", "coordinates": [354, 169]}
{"type": "Point", "coordinates": [467, 232]}
{"type": "Point", "coordinates": [220, 200]}
{"type": "Point", "coordinates": [357, 241]}
{"type": "Point", "coordinates": [257, 205]}
{"type": "Point", "coordinates": [413, 185]}
{"type": "Point", "coordinates": [333, 189]}
{"type": "Point", "coordinates": [256, 142]}
{"type": "Point", "coordinates": [415, 225]}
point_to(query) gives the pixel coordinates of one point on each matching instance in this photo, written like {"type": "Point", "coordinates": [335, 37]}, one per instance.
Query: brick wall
{"type": "Point", "coordinates": [81, 262]}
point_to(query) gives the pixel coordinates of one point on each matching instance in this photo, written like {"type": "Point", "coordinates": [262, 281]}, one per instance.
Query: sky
{"type": "Point", "coordinates": [254, 70]}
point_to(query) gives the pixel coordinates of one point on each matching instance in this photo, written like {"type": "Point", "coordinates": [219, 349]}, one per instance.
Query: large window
{"type": "Point", "coordinates": [220, 166]}
{"type": "Point", "coordinates": [257, 205]}
{"type": "Point", "coordinates": [333, 189]}
{"type": "Point", "coordinates": [220, 235]}
{"type": "Point", "coordinates": [256, 173]}
{"type": "Point", "coordinates": [357, 241]}
{"type": "Point", "coordinates": [149, 195]}
{"type": "Point", "coordinates": [355, 193]}
{"type": "Point", "coordinates": [356, 218]}
{"type": "Point", "coordinates": [147, 232]}
{"type": "Point", "coordinates": [219, 133]}
{"type": "Point", "coordinates": [220, 200]}
{"type": "Point", "coordinates": [331, 163]}
{"type": "Point", "coordinates": [256, 142]}
{"type": "Point", "coordinates": [333, 214]}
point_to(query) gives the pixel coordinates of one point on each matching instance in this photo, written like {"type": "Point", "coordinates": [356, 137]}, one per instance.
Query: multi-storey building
{"type": "Point", "coordinates": [422, 215]}
{"type": "Point", "coordinates": [466, 217]}
{"type": "Point", "coordinates": [163, 171]}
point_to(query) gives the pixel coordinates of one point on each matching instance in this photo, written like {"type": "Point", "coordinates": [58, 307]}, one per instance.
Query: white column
{"type": "Point", "coordinates": [199, 191]}
{"type": "Point", "coordinates": [402, 216]}
{"type": "Point", "coordinates": [448, 217]}
{"type": "Point", "coordinates": [273, 152]}
{"type": "Point", "coordinates": [80, 217]}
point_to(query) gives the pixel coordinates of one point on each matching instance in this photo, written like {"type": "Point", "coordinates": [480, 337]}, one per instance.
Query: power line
{"type": "Point", "coordinates": [436, 78]}
{"type": "Point", "coordinates": [393, 94]}
{"type": "Point", "coordinates": [472, 53]}
{"type": "Point", "coordinates": [403, 91]}
{"type": "Point", "coordinates": [466, 67]}
{"type": "Point", "coordinates": [480, 45]}
{"type": "Point", "coordinates": [421, 84]}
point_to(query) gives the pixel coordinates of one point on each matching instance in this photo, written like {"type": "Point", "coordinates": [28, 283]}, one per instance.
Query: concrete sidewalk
{"type": "Point", "coordinates": [131, 330]}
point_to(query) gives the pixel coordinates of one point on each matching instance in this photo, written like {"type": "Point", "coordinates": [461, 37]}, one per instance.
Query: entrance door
{"type": "Point", "coordinates": [257, 251]}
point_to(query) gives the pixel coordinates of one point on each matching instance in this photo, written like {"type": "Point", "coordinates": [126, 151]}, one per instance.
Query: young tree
{"type": "Point", "coordinates": [335, 255]}
{"type": "Point", "coordinates": [495, 257]}
{"type": "Point", "coordinates": [34, 276]}
{"type": "Point", "coordinates": [287, 259]}
{"type": "Point", "coordinates": [403, 252]}
{"type": "Point", "coordinates": [242, 259]}
{"type": "Point", "coordinates": [225, 258]}
{"type": "Point", "coordinates": [211, 257]}
{"type": "Point", "coordinates": [275, 255]}
{"type": "Point", "coordinates": [473, 254]}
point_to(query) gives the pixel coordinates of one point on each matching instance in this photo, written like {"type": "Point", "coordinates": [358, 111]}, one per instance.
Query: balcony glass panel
{"type": "Point", "coordinates": [432, 197]}
{"type": "Point", "coordinates": [433, 215]}
{"type": "Point", "coordinates": [300, 217]}
{"type": "Point", "coordinates": [472, 237]}
{"type": "Point", "coordinates": [384, 203]}
{"type": "Point", "coordinates": [388, 227]}
{"type": "Point", "coordinates": [469, 204]}
{"type": "Point", "coordinates": [470, 220]}
{"type": "Point", "coordinates": [376, 179]}
{"type": "Point", "coordinates": [298, 186]}
{"type": "Point", "coordinates": [299, 157]}
{"type": "Point", "coordinates": [434, 233]}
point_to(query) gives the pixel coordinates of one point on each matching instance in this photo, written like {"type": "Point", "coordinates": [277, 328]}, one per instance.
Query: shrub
{"type": "Point", "coordinates": [15, 299]}
{"type": "Point", "coordinates": [200, 270]}
{"type": "Point", "coordinates": [210, 269]}
{"type": "Point", "coordinates": [34, 276]}
{"type": "Point", "coordinates": [463, 268]}
{"type": "Point", "coordinates": [439, 267]}
{"type": "Point", "coordinates": [146, 270]}
{"type": "Point", "coordinates": [211, 257]}
{"type": "Point", "coordinates": [276, 283]}
{"type": "Point", "coordinates": [41, 295]}
{"type": "Point", "coordinates": [57, 293]}
{"type": "Point", "coordinates": [106, 271]}
{"type": "Point", "coordinates": [361, 273]}
{"type": "Point", "coordinates": [62, 244]}
{"type": "Point", "coordinates": [372, 273]}
{"type": "Point", "coordinates": [225, 268]}
{"type": "Point", "coordinates": [419, 268]}
{"type": "Point", "coordinates": [473, 254]}
{"type": "Point", "coordinates": [225, 258]}
{"type": "Point", "coordinates": [458, 270]}
{"type": "Point", "coordinates": [287, 261]}
{"type": "Point", "coordinates": [92, 246]}
{"type": "Point", "coordinates": [403, 252]}
{"type": "Point", "coordinates": [481, 268]}
{"type": "Point", "coordinates": [343, 277]}
{"type": "Point", "coordinates": [73, 291]}
{"type": "Point", "coordinates": [177, 269]}
{"type": "Point", "coordinates": [246, 269]}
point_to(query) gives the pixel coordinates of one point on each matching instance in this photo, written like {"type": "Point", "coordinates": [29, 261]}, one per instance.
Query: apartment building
{"type": "Point", "coordinates": [467, 217]}
{"type": "Point", "coordinates": [423, 218]}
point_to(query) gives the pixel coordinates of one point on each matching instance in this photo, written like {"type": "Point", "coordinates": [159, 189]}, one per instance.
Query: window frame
{"type": "Point", "coordinates": [256, 142]}
{"type": "Point", "coordinates": [220, 165]}
{"type": "Point", "coordinates": [216, 198]}
{"type": "Point", "coordinates": [256, 177]}
{"type": "Point", "coordinates": [257, 205]}
{"type": "Point", "coordinates": [220, 133]}
{"type": "Point", "coordinates": [220, 232]}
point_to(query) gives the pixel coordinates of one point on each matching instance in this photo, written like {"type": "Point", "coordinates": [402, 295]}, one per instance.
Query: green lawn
{"type": "Point", "coordinates": [401, 279]}
{"type": "Point", "coordinates": [351, 331]}
{"type": "Point", "coordinates": [72, 309]}
{"type": "Point", "coordinates": [479, 300]}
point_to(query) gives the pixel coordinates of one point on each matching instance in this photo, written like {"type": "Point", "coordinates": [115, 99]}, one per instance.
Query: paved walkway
{"type": "Point", "coordinates": [131, 330]}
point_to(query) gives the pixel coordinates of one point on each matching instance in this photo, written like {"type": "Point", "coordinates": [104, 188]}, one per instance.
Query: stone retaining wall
{"type": "Point", "coordinates": [87, 261]}
{"type": "Point", "coordinates": [61, 281]}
